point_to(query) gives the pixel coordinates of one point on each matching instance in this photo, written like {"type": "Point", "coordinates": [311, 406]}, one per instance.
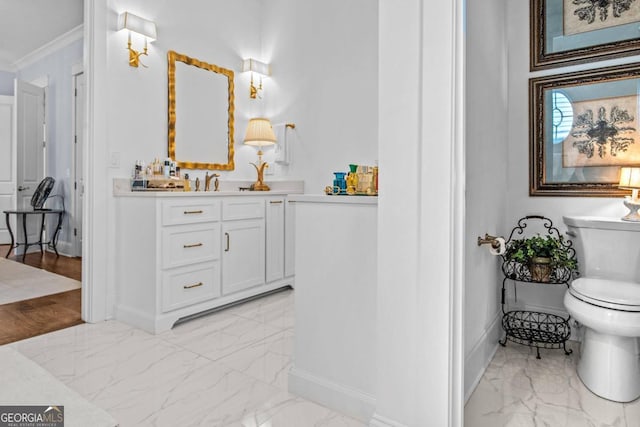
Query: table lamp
{"type": "Point", "coordinates": [630, 180]}
{"type": "Point", "coordinates": [260, 133]}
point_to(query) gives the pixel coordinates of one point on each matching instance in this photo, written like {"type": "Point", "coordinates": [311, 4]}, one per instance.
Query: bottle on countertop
{"type": "Point", "coordinates": [137, 170]}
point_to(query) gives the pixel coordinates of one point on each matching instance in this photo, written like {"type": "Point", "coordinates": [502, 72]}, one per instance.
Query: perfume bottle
{"type": "Point", "coordinates": [340, 182]}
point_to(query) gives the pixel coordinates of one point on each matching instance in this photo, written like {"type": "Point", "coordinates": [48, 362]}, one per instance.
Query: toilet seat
{"type": "Point", "coordinates": [611, 294]}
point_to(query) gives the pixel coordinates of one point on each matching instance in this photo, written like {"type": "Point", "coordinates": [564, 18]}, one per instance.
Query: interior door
{"type": "Point", "coordinates": [7, 165]}
{"type": "Point", "coordinates": [30, 148]}
{"type": "Point", "coordinates": [78, 149]}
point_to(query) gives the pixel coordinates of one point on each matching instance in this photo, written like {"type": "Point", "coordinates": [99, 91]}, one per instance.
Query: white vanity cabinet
{"type": "Point", "coordinates": [180, 254]}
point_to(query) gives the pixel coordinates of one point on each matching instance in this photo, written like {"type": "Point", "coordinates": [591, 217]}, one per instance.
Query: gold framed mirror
{"type": "Point", "coordinates": [201, 114]}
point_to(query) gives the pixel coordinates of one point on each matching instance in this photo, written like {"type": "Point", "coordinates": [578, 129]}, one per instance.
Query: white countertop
{"type": "Point", "coordinates": [167, 194]}
{"type": "Point", "coordinates": [323, 198]}
{"type": "Point", "coordinates": [121, 188]}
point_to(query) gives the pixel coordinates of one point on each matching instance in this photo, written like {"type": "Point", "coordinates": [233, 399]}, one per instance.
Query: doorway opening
{"type": "Point", "coordinates": [43, 291]}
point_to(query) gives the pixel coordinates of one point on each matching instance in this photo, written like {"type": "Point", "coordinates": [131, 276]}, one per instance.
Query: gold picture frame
{"type": "Point", "coordinates": [569, 32]}
{"type": "Point", "coordinates": [583, 126]}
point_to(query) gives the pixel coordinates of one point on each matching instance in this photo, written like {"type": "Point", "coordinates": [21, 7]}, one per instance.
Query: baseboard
{"type": "Point", "coordinates": [338, 397]}
{"type": "Point", "coordinates": [480, 356]}
{"type": "Point", "coordinates": [132, 316]}
{"type": "Point", "coordinates": [64, 248]}
{"type": "Point", "coordinates": [379, 421]}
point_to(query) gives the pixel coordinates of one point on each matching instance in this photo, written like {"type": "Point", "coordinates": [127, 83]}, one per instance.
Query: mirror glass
{"type": "Point", "coordinates": [200, 114]}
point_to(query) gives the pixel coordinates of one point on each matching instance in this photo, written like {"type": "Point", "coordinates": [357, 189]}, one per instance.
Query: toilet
{"type": "Point", "coordinates": [606, 301]}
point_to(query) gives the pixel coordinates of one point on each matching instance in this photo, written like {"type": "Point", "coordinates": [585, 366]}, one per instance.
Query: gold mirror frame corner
{"type": "Point", "coordinates": [172, 57]}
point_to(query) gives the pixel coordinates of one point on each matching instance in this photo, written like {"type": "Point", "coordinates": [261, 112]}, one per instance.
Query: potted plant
{"type": "Point", "coordinates": [541, 255]}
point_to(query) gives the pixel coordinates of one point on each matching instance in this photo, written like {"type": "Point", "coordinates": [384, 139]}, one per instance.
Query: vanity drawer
{"type": "Point", "coordinates": [242, 208]}
{"type": "Point", "coordinates": [190, 212]}
{"type": "Point", "coordinates": [190, 285]}
{"type": "Point", "coordinates": [188, 244]}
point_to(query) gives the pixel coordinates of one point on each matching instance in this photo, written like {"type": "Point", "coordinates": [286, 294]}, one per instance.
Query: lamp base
{"type": "Point", "coordinates": [633, 206]}
{"type": "Point", "coordinates": [261, 186]}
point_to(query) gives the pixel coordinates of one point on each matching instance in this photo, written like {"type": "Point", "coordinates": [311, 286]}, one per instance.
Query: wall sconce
{"type": "Point", "coordinates": [630, 180]}
{"type": "Point", "coordinates": [144, 27]}
{"type": "Point", "coordinates": [259, 68]}
{"type": "Point", "coordinates": [260, 133]}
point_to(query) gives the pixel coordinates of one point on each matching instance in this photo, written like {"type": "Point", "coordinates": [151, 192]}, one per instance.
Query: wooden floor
{"type": "Point", "coordinates": [37, 316]}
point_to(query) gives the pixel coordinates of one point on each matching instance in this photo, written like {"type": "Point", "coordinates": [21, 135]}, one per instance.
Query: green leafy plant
{"type": "Point", "coordinates": [524, 251]}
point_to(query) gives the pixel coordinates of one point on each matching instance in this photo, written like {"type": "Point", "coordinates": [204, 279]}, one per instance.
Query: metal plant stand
{"type": "Point", "coordinates": [532, 328]}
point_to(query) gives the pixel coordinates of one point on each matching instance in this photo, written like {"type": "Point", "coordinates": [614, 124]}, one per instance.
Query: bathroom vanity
{"type": "Point", "coordinates": [183, 253]}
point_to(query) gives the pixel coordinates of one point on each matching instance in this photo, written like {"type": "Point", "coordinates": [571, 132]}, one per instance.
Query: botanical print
{"type": "Point", "coordinates": [604, 133]}
{"type": "Point", "coordinates": [587, 15]}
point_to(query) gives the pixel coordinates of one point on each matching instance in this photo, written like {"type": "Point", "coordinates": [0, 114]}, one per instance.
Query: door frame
{"type": "Point", "coordinates": [76, 247]}
{"type": "Point", "coordinates": [10, 101]}
{"type": "Point", "coordinates": [95, 201]}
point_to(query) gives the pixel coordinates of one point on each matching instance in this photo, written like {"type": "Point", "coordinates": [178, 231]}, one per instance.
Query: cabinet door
{"type": "Point", "coordinates": [243, 260]}
{"type": "Point", "coordinates": [275, 238]}
{"type": "Point", "coordinates": [289, 239]}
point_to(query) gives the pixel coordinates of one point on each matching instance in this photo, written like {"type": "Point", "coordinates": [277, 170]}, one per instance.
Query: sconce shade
{"type": "Point", "coordinates": [256, 66]}
{"type": "Point", "coordinates": [131, 22]}
{"type": "Point", "coordinates": [259, 133]}
{"type": "Point", "coordinates": [629, 178]}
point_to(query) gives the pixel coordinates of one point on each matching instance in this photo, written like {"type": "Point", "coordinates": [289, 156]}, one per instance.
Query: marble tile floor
{"type": "Point", "coordinates": [518, 390]}
{"type": "Point", "coordinates": [227, 369]}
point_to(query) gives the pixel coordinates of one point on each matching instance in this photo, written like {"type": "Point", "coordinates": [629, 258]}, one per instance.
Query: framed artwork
{"type": "Point", "coordinates": [567, 32]}
{"type": "Point", "coordinates": [583, 127]}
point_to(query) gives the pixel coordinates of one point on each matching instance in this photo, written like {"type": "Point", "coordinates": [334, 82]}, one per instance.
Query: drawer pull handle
{"type": "Point", "coordinates": [227, 236]}
{"type": "Point", "coordinates": [194, 245]}
{"type": "Point", "coordinates": [195, 285]}
{"type": "Point", "coordinates": [275, 202]}
{"type": "Point", "coordinates": [193, 212]}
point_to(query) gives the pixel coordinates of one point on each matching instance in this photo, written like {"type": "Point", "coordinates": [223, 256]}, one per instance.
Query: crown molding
{"type": "Point", "coordinates": [64, 40]}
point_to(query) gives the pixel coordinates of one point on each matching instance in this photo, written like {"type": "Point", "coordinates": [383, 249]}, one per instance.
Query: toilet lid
{"type": "Point", "coordinates": [613, 294]}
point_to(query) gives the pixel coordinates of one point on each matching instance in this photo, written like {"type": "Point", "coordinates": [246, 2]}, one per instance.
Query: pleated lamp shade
{"type": "Point", "coordinates": [259, 133]}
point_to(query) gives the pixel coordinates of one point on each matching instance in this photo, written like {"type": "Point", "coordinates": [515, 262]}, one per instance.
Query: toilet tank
{"type": "Point", "coordinates": [606, 247]}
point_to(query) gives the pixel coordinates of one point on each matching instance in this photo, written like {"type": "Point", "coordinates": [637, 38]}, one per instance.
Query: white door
{"type": "Point", "coordinates": [78, 149]}
{"type": "Point", "coordinates": [7, 166]}
{"type": "Point", "coordinates": [31, 145]}
{"type": "Point", "coordinates": [243, 259]}
{"type": "Point", "coordinates": [275, 238]}
{"type": "Point", "coordinates": [289, 239]}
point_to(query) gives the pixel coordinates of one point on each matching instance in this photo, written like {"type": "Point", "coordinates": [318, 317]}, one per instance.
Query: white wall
{"type": "Point", "coordinates": [324, 79]}
{"type": "Point", "coordinates": [519, 201]}
{"type": "Point", "coordinates": [57, 67]}
{"type": "Point", "coordinates": [420, 214]}
{"type": "Point", "coordinates": [6, 82]}
{"type": "Point", "coordinates": [324, 56]}
{"type": "Point", "coordinates": [486, 178]}
{"type": "Point", "coordinates": [220, 33]}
